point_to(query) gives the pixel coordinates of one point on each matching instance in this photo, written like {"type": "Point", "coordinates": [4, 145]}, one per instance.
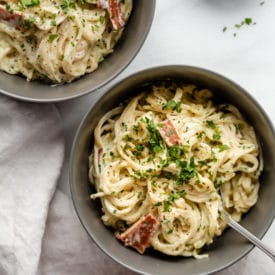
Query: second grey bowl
{"type": "Point", "coordinates": [125, 50]}
{"type": "Point", "coordinates": [226, 249]}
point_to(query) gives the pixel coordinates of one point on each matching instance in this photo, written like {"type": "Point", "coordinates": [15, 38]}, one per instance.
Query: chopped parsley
{"type": "Point", "coordinates": [52, 37]}
{"type": "Point", "coordinates": [65, 6]}
{"type": "Point", "coordinates": [177, 152]}
{"type": "Point", "coordinates": [155, 142]}
{"type": "Point", "coordinates": [170, 231]}
{"type": "Point", "coordinates": [175, 196]}
{"type": "Point", "coordinates": [223, 147]}
{"type": "Point", "coordinates": [101, 19]}
{"type": "Point", "coordinates": [187, 171]}
{"type": "Point", "coordinates": [9, 8]}
{"type": "Point", "coordinates": [217, 135]}
{"type": "Point", "coordinates": [53, 23]}
{"type": "Point", "coordinates": [30, 3]}
{"type": "Point", "coordinates": [248, 21]}
{"type": "Point", "coordinates": [210, 124]}
{"type": "Point", "coordinates": [172, 105]}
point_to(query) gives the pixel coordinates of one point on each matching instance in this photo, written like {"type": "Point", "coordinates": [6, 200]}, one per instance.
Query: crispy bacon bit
{"type": "Point", "coordinates": [140, 234]}
{"type": "Point", "coordinates": [169, 133]}
{"type": "Point", "coordinates": [113, 8]}
{"type": "Point", "coordinates": [15, 18]}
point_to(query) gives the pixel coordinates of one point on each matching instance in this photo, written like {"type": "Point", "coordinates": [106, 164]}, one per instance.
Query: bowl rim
{"type": "Point", "coordinates": [86, 117]}
{"type": "Point", "coordinates": [98, 86]}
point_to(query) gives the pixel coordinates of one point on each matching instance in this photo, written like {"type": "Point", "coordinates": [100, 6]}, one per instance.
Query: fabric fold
{"type": "Point", "coordinates": [31, 156]}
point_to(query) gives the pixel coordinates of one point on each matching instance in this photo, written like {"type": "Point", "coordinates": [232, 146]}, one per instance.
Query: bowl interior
{"type": "Point", "coordinates": [226, 249]}
{"type": "Point", "coordinates": [128, 46]}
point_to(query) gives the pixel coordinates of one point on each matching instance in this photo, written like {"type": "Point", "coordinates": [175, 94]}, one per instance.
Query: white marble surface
{"type": "Point", "coordinates": [190, 32]}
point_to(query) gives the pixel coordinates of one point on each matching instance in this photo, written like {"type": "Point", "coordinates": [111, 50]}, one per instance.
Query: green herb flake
{"type": "Point", "coordinates": [216, 136]}
{"type": "Point", "coordinates": [210, 124]}
{"type": "Point", "coordinates": [248, 21]}
{"type": "Point", "coordinates": [65, 6]}
{"type": "Point", "coordinates": [9, 8]}
{"type": "Point", "coordinates": [127, 138]}
{"type": "Point", "coordinates": [101, 19]}
{"type": "Point", "coordinates": [154, 139]}
{"type": "Point", "coordinates": [52, 37]}
{"type": "Point", "coordinates": [53, 23]}
{"type": "Point", "coordinates": [172, 105]}
{"type": "Point", "coordinates": [139, 147]}
{"type": "Point", "coordinates": [171, 230]}
{"type": "Point", "coordinates": [223, 147]}
{"type": "Point", "coordinates": [30, 3]}
{"type": "Point", "coordinates": [177, 152]}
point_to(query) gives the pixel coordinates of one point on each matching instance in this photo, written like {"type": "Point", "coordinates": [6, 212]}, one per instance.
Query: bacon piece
{"type": "Point", "coordinates": [113, 8]}
{"type": "Point", "coordinates": [15, 18]}
{"type": "Point", "coordinates": [169, 133]}
{"type": "Point", "coordinates": [116, 16]}
{"type": "Point", "coordinates": [140, 234]}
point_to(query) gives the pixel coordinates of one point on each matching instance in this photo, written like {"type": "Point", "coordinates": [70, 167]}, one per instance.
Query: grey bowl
{"type": "Point", "coordinates": [226, 249]}
{"type": "Point", "coordinates": [126, 49]}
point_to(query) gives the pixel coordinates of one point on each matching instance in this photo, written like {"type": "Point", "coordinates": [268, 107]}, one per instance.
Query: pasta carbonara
{"type": "Point", "coordinates": [59, 40]}
{"type": "Point", "coordinates": [160, 162]}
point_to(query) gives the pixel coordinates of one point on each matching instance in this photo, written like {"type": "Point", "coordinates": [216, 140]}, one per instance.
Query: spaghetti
{"type": "Point", "coordinates": [59, 40]}
{"type": "Point", "coordinates": [162, 160]}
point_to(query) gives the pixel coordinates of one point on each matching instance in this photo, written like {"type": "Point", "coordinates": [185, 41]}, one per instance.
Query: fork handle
{"type": "Point", "coordinates": [257, 242]}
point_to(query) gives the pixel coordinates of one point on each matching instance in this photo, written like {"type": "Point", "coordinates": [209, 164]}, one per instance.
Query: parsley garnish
{"type": "Point", "coordinates": [30, 3]}
{"type": "Point", "coordinates": [187, 171]}
{"type": "Point", "coordinates": [223, 147]}
{"type": "Point", "coordinates": [248, 21]}
{"type": "Point", "coordinates": [101, 19]}
{"type": "Point", "coordinates": [52, 37]}
{"type": "Point", "coordinates": [65, 6]}
{"type": "Point", "coordinates": [155, 142]}
{"type": "Point", "coordinates": [170, 231]}
{"type": "Point", "coordinates": [177, 152]}
{"type": "Point", "coordinates": [172, 105]}
{"type": "Point", "coordinates": [217, 135]}
{"type": "Point", "coordinates": [210, 124]}
{"type": "Point", "coordinates": [175, 196]}
{"type": "Point", "coordinates": [9, 8]}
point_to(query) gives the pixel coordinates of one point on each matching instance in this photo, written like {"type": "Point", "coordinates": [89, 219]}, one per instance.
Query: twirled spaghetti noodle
{"type": "Point", "coordinates": [59, 40]}
{"type": "Point", "coordinates": [168, 153]}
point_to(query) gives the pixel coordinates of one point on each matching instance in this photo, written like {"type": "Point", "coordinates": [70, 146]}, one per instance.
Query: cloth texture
{"type": "Point", "coordinates": [31, 156]}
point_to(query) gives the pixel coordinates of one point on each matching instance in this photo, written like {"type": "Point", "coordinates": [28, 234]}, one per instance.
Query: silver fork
{"type": "Point", "coordinates": [249, 236]}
